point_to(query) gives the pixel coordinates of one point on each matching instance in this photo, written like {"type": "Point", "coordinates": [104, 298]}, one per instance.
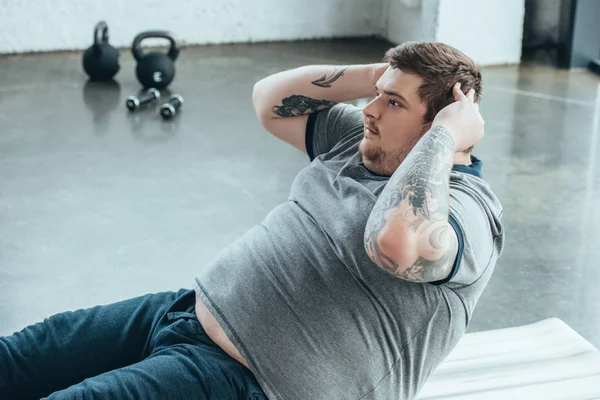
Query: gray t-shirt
{"type": "Point", "coordinates": [310, 312]}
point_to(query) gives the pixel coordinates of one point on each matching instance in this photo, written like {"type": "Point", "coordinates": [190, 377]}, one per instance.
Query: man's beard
{"type": "Point", "coordinates": [382, 162]}
{"type": "Point", "coordinates": [386, 163]}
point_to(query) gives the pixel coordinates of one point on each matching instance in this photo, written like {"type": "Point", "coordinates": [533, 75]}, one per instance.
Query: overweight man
{"type": "Point", "coordinates": [356, 287]}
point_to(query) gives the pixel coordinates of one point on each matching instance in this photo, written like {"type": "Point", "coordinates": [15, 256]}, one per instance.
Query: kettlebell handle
{"type": "Point", "coordinates": [100, 36]}
{"type": "Point", "coordinates": [136, 48]}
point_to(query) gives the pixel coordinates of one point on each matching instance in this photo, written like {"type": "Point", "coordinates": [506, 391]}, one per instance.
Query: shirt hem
{"type": "Point", "coordinates": [232, 335]}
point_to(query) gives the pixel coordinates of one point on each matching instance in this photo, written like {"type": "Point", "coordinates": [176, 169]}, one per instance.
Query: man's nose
{"type": "Point", "coordinates": [371, 110]}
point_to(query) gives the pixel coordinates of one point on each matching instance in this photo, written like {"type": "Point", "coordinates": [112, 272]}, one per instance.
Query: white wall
{"type": "Point", "coordinates": [490, 31]}
{"type": "Point", "coordinates": [39, 25]}
{"type": "Point", "coordinates": [407, 20]}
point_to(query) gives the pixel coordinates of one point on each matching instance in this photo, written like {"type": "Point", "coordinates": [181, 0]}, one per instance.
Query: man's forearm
{"type": "Point", "coordinates": [313, 88]}
{"type": "Point", "coordinates": [413, 210]}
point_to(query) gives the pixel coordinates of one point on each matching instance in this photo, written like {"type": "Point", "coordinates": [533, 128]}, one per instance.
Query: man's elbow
{"type": "Point", "coordinates": [406, 256]}
{"type": "Point", "coordinates": [401, 249]}
{"type": "Point", "coordinates": [259, 94]}
{"type": "Point", "coordinates": [393, 253]}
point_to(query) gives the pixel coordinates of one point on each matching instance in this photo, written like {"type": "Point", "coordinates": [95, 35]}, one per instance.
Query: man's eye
{"type": "Point", "coordinates": [392, 102]}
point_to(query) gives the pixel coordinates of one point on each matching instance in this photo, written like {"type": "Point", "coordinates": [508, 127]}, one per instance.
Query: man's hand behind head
{"type": "Point", "coordinates": [462, 118]}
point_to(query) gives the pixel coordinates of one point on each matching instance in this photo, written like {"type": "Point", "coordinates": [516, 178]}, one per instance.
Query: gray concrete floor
{"type": "Point", "coordinates": [98, 205]}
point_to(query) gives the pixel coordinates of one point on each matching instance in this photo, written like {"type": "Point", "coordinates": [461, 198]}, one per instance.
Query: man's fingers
{"type": "Point", "coordinates": [471, 95]}
{"type": "Point", "coordinates": [458, 94]}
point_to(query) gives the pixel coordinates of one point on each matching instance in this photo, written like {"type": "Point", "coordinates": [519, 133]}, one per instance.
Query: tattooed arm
{"type": "Point", "coordinates": [408, 233]}
{"type": "Point", "coordinates": [312, 88]}
{"type": "Point", "coordinates": [284, 100]}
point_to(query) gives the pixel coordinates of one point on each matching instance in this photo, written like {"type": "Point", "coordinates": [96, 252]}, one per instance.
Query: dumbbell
{"type": "Point", "coordinates": [133, 103]}
{"type": "Point", "coordinates": [169, 110]}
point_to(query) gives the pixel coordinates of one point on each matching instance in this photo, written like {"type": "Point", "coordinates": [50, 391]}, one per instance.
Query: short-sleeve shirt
{"type": "Point", "coordinates": [307, 308]}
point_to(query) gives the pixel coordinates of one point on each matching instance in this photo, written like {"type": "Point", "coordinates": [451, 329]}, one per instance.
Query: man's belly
{"type": "Point", "coordinates": [215, 332]}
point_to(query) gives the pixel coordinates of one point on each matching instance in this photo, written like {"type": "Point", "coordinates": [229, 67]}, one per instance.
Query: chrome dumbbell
{"type": "Point", "coordinates": [169, 110]}
{"type": "Point", "coordinates": [133, 103]}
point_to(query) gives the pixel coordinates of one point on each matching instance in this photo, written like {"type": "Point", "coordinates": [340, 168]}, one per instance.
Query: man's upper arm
{"type": "Point", "coordinates": [291, 130]}
{"type": "Point", "coordinates": [476, 214]}
{"type": "Point", "coordinates": [318, 132]}
{"type": "Point", "coordinates": [325, 129]}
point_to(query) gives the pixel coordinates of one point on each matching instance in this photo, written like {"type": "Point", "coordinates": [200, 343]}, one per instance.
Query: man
{"type": "Point", "coordinates": [357, 287]}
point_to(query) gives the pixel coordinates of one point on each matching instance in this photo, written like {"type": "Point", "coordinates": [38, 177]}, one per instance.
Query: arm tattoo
{"type": "Point", "coordinates": [424, 270]}
{"type": "Point", "coordinates": [300, 105]}
{"type": "Point", "coordinates": [326, 83]}
{"type": "Point", "coordinates": [416, 197]}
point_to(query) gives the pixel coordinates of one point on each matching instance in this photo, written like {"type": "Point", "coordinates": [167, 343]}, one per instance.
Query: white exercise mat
{"type": "Point", "coordinates": [546, 360]}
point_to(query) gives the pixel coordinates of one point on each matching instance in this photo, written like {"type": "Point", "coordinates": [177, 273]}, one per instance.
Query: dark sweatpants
{"type": "Point", "coordinates": [149, 347]}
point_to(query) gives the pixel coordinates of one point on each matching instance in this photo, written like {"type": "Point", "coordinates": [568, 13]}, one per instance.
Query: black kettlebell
{"type": "Point", "coordinates": [101, 60]}
{"type": "Point", "coordinates": [155, 69]}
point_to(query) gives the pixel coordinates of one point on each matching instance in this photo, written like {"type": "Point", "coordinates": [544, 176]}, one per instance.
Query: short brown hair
{"type": "Point", "coordinates": [440, 66]}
